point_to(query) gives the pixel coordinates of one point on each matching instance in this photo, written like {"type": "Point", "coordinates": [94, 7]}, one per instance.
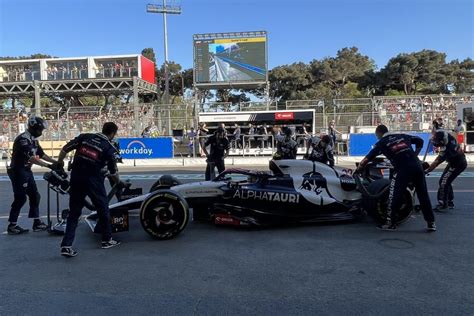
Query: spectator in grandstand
{"type": "Point", "coordinates": [219, 150]}
{"type": "Point", "coordinates": [320, 150]}
{"type": "Point", "coordinates": [146, 132]}
{"type": "Point", "coordinates": [236, 134]}
{"type": "Point", "coordinates": [286, 146]}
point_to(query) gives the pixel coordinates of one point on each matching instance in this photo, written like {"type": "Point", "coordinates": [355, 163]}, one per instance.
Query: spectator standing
{"type": "Point", "coordinates": [202, 135]}
{"type": "Point", "coordinates": [332, 132]}
{"type": "Point", "coordinates": [251, 138]}
{"type": "Point", "coordinates": [219, 150]}
{"type": "Point", "coordinates": [236, 136]}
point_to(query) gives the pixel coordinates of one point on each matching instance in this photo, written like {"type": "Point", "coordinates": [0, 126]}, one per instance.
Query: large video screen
{"type": "Point", "coordinates": [219, 60]}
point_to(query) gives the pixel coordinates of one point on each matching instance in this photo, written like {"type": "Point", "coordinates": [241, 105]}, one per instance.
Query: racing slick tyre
{"type": "Point", "coordinates": [377, 208]}
{"type": "Point", "coordinates": [164, 182]}
{"type": "Point", "coordinates": [164, 214]}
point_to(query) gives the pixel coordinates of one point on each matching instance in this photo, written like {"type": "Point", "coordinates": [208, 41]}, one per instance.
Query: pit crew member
{"type": "Point", "coordinates": [27, 152]}
{"type": "Point", "coordinates": [320, 149]}
{"type": "Point", "coordinates": [93, 153]}
{"type": "Point", "coordinates": [286, 145]}
{"type": "Point", "coordinates": [407, 168]}
{"type": "Point", "coordinates": [451, 152]}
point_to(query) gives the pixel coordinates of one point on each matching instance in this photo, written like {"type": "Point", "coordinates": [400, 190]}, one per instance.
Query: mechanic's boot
{"type": "Point", "coordinates": [431, 227]}
{"type": "Point", "coordinates": [68, 252]}
{"type": "Point", "coordinates": [388, 226]}
{"type": "Point", "coordinates": [450, 205]}
{"type": "Point", "coordinates": [39, 226]}
{"type": "Point", "coordinates": [440, 208]}
{"type": "Point", "coordinates": [14, 229]}
{"type": "Point", "coordinates": [109, 244]}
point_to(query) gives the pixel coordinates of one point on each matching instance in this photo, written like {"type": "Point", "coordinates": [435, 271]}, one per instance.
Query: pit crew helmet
{"type": "Point", "coordinates": [36, 125]}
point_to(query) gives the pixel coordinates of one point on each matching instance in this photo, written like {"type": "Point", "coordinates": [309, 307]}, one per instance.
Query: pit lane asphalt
{"type": "Point", "coordinates": [333, 269]}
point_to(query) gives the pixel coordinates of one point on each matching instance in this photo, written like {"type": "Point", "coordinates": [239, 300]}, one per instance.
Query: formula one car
{"type": "Point", "coordinates": [294, 191]}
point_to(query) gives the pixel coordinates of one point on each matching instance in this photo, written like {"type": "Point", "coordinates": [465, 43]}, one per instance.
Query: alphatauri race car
{"type": "Point", "coordinates": [293, 191]}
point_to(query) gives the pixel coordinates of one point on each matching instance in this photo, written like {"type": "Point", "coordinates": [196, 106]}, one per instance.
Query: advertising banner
{"type": "Point", "coordinates": [361, 144]}
{"type": "Point", "coordinates": [146, 148]}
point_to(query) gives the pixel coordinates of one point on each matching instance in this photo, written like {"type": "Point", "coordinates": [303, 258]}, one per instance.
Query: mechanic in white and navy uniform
{"type": "Point", "coordinates": [407, 169]}
{"type": "Point", "coordinates": [93, 153]}
{"type": "Point", "coordinates": [27, 152]}
{"type": "Point", "coordinates": [320, 149]}
{"type": "Point", "coordinates": [451, 152]}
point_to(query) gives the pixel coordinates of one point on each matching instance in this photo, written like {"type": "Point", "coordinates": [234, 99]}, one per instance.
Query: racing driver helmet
{"type": "Point", "coordinates": [36, 125]}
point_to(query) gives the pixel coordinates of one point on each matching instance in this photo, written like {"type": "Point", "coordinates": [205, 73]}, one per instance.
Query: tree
{"type": "Point", "coordinates": [149, 53]}
{"type": "Point", "coordinates": [288, 80]}
{"type": "Point", "coordinates": [462, 75]}
{"type": "Point", "coordinates": [423, 72]}
{"type": "Point", "coordinates": [228, 95]}
{"type": "Point", "coordinates": [335, 72]}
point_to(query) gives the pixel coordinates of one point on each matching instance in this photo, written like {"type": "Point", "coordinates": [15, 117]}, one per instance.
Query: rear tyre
{"type": "Point", "coordinates": [164, 182]}
{"type": "Point", "coordinates": [377, 209]}
{"type": "Point", "coordinates": [164, 214]}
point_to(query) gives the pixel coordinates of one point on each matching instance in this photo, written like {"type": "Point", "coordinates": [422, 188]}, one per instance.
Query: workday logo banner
{"type": "Point", "coordinates": [146, 148]}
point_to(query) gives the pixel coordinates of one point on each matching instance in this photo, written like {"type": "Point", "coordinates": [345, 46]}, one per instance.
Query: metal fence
{"type": "Point", "coordinates": [406, 113]}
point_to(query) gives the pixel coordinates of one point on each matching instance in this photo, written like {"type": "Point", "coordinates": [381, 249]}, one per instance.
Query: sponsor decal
{"type": "Point", "coordinates": [136, 147]}
{"type": "Point", "coordinates": [398, 147]}
{"type": "Point", "coordinates": [284, 116]}
{"type": "Point", "coordinates": [226, 219]}
{"type": "Point", "coordinates": [267, 196]}
{"type": "Point", "coordinates": [313, 181]}
{"type": "Point", "coordinates": [89, 152]}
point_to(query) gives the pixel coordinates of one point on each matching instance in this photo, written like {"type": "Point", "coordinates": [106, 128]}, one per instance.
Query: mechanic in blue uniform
{"type": "Point", "coordinates": [407, 169]}
{"type": "Point", "coordinates": [321, 150]}
{"type": "Point", "coordinates": [219, 151]}
{"type": "Point", "coordinates": [451, 152]}
{"type": "Point", "coordinates": [287, 147]}
{"type": "Point", "coordinates": [93, 153]}
{"type": "Point", "coordinates": [27, 152]}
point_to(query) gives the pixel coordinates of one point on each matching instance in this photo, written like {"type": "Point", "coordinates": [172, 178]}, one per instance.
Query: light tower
{"type": "Point", "coordinates": [165, 9]}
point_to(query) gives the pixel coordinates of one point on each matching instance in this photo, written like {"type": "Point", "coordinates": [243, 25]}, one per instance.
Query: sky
{"type": "Point", "coordinates": [298, 30]}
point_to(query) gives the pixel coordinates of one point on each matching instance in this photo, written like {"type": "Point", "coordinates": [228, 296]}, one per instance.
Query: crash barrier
{"type": "Point", "coordinates": [146, 148]}
{"type": "Point", "coordinates": [361, 144]}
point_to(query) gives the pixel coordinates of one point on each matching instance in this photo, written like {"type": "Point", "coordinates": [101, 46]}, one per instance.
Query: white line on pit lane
{"type": "Point", "coordinates": [200, 177]}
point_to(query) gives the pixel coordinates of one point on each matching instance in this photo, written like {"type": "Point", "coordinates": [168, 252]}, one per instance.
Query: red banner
{"type": "Point", "coordinates": [284, 116]}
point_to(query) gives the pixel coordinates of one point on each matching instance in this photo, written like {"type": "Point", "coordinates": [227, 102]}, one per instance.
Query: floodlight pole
{"type": "Point", "coordinates": [165, 9]}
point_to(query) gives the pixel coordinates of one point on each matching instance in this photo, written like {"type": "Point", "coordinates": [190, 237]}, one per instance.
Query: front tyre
{"type": "Point", "coordinates": [164, 214]}
{"type": "Point", "coordinates": [377, 208]}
